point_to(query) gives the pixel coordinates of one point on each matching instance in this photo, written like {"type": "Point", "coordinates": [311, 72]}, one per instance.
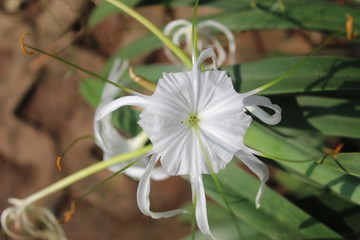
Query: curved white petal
{"type": "Point", "coordinates": [110, 91]}
{"type": "Point", "coordinates": [136, 171]}
{"type": "Point", "coordinates": [120, 102]}
{"type": "Point", "coordinates": [199, 199]}
{"type": "Point", "coordinates": [175, 24]}
{"type": "Point", "coordinates": [256, 166]}
{"type": "Point", "coordinates": [252, 104]}
{"type": "Point", "coordinates": [143, 193]}
{"type": "Point", "coordinates": [229, 35]}
{"type": "Point", "coordinates": [207, 53]}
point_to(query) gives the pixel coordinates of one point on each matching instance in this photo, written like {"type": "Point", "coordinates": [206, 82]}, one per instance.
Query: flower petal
{"type": "Point", "coordinates": [252, 104]}
{"type": "Point", "coordinates": [143, 193]}
{"type": "Point", "coordinates": [101, 127]}
{"type": "Point", "coordinates": [258, 167]}
{"type": "Point", "coordinates": [110, 91]}
{"type": "Point", "coordinates": [229, 35]}
{"type": "Point", "coordinates": [120, 102]}
{"type": "Point", "coordinates": [199, 199]}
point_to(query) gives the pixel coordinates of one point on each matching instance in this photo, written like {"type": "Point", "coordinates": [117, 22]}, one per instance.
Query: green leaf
{"type": "Point", "coordinates": [332, 116]}
{"type": "Point", "coordinates": [277, 218]}
{"type": "Point", "coordinates": [91, 90]}
{"type": "Point", "coordinates": [267, 141]}
{"type": "Point", "coordinates": [348, 163]}
{"type": "Point", "coordinates": [139, 47]}
{"type": "Point", "coordinates": [105, 9]}
{"type": "Point", "coordinates": [322, 15]}
{"type": "Point", "coordinates": [341, 215]}
{"type": "Point", "coordinates": [318, 74]}
{"type": "Point", "coordinates": [221, 225]}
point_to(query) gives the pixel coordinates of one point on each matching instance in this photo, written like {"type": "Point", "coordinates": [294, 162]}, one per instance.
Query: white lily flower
{"type": "Point", "coordinates": [196, 119]}
{"type": "Point", "coordinates": [179, 29]}
{"type": "Point", "coordinates": [111, 141]}
{"type": "Point", "coordinates": [30, 222]}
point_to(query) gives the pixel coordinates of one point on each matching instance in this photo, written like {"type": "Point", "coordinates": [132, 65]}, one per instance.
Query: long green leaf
{"type": "Point", "coordinates": [348, 163]}
{"type": "Point", "coordinates": [332, 116]}
{"type": "Point", "coordinates": [267, 141]}
{"type": "Point", "coordinates": [317, 74]}
{"type": "Point", "coordinates": [277, 218]}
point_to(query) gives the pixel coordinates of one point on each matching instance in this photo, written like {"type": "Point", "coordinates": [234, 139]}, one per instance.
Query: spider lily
{"type": "Point", "coordinates": [179, 29]}
{"type": "Point", "coordinates": [196, 122]}
{"type": "Point", "coordinates": [111, 141]}
{"type": "Point", "coordinates": [32, 221]}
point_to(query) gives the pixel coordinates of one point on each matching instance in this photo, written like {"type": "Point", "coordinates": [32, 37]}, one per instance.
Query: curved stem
{"type": "Point", "coordinates": [155, 30]}
{"type": "Point", "coordinates": [63, 183]}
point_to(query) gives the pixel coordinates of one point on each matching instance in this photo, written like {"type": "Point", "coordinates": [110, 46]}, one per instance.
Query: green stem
{"type": "Point", "coordinates": [65, 182]}
{"type": "Point", "coordinates": [194, 36]}
{"type": "Point", "coordinates": [155, 30]}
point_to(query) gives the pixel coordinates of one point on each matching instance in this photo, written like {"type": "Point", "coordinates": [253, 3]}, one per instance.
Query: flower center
{"type": "Point", "coordinates": [193, 120]}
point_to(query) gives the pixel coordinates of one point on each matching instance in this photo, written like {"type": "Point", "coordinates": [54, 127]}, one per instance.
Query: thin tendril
{"type": "Point", "coordinates": [68, 148]}
{"type": "Point", "coordinates": [80, 68]}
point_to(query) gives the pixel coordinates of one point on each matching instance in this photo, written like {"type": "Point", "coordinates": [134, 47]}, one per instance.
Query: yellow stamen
{"type": "Point", "coordinates": [58, 163]}
{"type": "Point", "coordinates": [146, 83]}
{"type": "Point", "coordinates": [334, 152]}
{"type": "Point", "coordinates": [68, 214]}
{"type": "Point", "coordinates": [22, 44]}
{"type": "Point", "coordinates": [350, 34]}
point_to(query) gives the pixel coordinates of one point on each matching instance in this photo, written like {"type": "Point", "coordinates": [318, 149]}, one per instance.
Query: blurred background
{"type": "Point", "coordinates": [42, 111]}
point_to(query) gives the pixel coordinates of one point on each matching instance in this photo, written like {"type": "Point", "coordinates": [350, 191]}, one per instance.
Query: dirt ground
{"type": "Point", "coordinates": [42, 112]}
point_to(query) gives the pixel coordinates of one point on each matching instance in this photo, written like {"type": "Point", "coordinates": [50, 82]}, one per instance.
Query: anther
{"type": "Point", "coordinates": [68, 214]}
{"type": "Point", "coordinates": [23, 45]}
{"type": "Point", "coordinates": [146, 83]}
{"type": "Point", "coordinates": [334, 152]}
{"type": "Point", "coordinates": [349, 27]}
{"type": "Point", "coordinates": [58, 163]}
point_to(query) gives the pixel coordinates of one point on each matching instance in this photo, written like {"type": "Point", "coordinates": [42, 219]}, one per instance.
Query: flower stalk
{"type": "Point", "coordinates": [65, 182]}
{"type": "Point", "coordinates": [155, 30]}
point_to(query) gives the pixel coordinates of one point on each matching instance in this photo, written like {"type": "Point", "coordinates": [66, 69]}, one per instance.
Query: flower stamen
{"type": "Point", "coordinates": [68, 214]}
{"type": "Point", "coordinates": [23, 45]}
{"type": "Point", "coordinates": [193, 120]}
{"type": "Point", "coordinates": [146, 83]}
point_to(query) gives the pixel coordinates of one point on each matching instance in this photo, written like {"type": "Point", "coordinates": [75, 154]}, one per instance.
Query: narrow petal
{"type": "Point", "coordinates": [101, 124]}
{"type": "Point", "coordinates": [136, 172]}
{"type": "Point", "coordinates": [252, 104]}
{"type": "Point", "coordinates": [199, 199]}
{"type": "Point", "coordinates": [110, 91]}
{"type": "Point", "coordinates": [143, 193]}
{"type": "Point", "coordinates": [258, 167]}
{"type": "Point", "coordinates": [229, 35]}
{"type": "Point", "coordinates": [207, 53]}
{"type": "Point", "coordinates": [120, 102]}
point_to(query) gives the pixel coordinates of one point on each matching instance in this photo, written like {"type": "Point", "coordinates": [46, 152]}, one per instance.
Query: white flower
{"type": "Point", "coordinates": [196, 119]}
{"type": "Point", "coordinates": [111, 141]}
{"type": "Point", "coordinates": [179, 29]}
{"type": "Point", "coordinates": [30, 222]}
